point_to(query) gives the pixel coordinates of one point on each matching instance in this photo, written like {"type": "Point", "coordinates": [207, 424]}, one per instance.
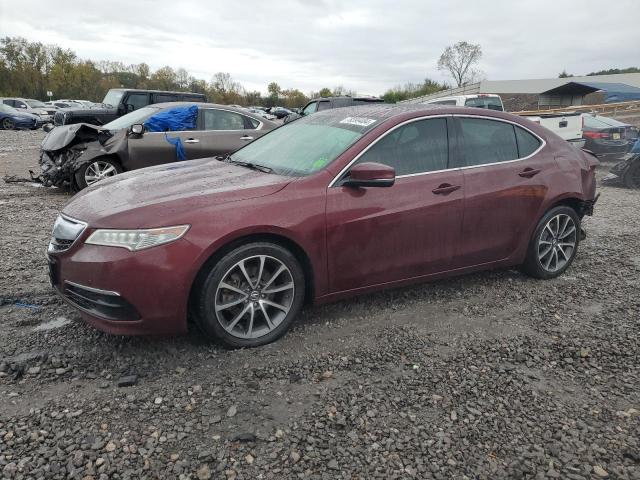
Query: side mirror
{"type": "Point", "coordinates": [23, 106]}
{"type": "Point", "coordinates": [370, 174]}
{"type": "Point", "coordinates": [137, 129]}
{"type": "Point", "coordinates": [47, 127]}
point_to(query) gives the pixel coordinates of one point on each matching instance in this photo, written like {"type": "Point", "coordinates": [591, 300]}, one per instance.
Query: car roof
{"type": "Point", "coordinates": [214, 105]}
{"type": "Point", "coordinates": [385, 112]}
{"type": "Point", "coordinates": [155, 91]}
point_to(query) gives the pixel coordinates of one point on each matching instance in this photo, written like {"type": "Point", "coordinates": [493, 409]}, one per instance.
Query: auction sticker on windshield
{"type": "Point", "coordinates": [361, 122]}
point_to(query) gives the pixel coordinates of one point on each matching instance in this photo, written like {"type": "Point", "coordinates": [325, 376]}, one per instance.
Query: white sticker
{"type": "Point", "coordinates": [361, 122]}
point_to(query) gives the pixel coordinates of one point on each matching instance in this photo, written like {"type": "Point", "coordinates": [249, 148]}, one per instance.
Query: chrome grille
{"type": "Point", "coordinates": [65, 231]}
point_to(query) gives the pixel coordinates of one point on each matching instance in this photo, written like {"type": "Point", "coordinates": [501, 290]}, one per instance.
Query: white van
{"type": "Point", "coordinates": [480, 100]}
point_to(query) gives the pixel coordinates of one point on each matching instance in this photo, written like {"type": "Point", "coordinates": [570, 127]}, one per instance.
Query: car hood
{"type": "Point", "coordinates": [64, 135]}
{"type": "Point", "coordinates": [169, 194]}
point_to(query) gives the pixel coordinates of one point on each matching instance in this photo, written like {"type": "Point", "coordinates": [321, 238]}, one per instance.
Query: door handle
{"type": "Point", "coordinates": [445, 189]}
{"type": "Point", "coordinates": [246, 137]}
{"type": "Point", "coordinates": [192, 140]}
{"type": "Point", "coordinates": [529, 172]}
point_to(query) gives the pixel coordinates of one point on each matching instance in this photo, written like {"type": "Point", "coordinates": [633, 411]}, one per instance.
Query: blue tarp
{"type": "Point", "coordinates": [173, 120]}
{"type": "Point", "coordinates": [177, 142]}
{"type": "Point", "coordinates": [615, 92]}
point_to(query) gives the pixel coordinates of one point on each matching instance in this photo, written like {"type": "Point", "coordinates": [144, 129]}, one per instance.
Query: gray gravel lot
{"type": "Point", "coordinates": [489, 376]}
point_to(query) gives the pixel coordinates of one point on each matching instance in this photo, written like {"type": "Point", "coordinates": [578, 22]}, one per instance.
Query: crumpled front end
{"type": "Point", "coordinates": [66, 148]}
{"type": "Point", "coordinates": [57, 167]}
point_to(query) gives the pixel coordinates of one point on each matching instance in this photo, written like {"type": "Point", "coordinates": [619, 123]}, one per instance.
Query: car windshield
{"type": "Point", "coordinates": [492, 103]}
{"type": "Point", "coordinates": [35, 103]}
{"type": "Point", "coordinates": [302, 147]}
{"type": "Point", "coordinates": [7, 109]}
{"type": "Point", "coordinates": [137, 116]}
{"type": "Point", "coordinates": [113, 97]}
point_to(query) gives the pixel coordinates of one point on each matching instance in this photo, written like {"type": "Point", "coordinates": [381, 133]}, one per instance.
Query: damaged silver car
{"type": "Point", "coordinates": [81, 154]}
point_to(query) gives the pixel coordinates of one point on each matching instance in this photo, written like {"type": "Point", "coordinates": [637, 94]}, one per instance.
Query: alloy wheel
{"type": "Point", "coordinates": [557, 242]}
{"type": "Point", "coordinates": [7, 124]}
{"type": "Point", "coordinates": [98, 170]}
{"type": "Point", "coordinates": [254, 296]}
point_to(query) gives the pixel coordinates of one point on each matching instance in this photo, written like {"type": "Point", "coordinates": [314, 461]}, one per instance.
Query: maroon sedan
{"type": "Point", "coordinates": [335, 204]}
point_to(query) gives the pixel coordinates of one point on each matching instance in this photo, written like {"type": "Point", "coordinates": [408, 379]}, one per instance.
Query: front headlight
{"type": "Point", "coordinates": [137, 239]}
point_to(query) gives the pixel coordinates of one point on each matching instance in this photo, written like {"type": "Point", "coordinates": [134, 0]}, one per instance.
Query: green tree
{"type": "Point", "coordinates": [613, 71]}
{"type": "Point", "coordinates": [413, 90]}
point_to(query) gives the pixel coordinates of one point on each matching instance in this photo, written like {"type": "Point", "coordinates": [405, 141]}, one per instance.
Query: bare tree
{"type": "Point", "coordinates": [459, 60]}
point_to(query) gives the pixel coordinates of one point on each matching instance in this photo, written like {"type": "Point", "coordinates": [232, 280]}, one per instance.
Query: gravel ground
{"type": "Point", "coordinates": [488, 376]}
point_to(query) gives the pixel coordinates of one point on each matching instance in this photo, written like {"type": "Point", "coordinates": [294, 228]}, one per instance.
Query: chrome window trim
{"type": "Point", "coordinates": [259, 127]}
{"type": "Point", "coordinates": [543, 143]}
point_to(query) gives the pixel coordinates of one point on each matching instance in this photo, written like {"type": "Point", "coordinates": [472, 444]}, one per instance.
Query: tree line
{"type": "Point", "coordinates": [30, 69]}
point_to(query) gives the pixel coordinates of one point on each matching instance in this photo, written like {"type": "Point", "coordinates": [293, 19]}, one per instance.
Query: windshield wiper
{"type": "Point", "coordinates": [252, 166]}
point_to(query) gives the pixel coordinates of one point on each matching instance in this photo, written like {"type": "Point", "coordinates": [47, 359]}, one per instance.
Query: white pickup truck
{"type": "Point", "coordinates": [567, 125]}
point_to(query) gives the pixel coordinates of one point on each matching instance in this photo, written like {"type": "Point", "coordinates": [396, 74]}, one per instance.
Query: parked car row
{"type": "Point", "coordinates": [120, 101]}
{"type": "Point", "coordinates": [337, 203]}
{"type": "Point", "coordinates": [33, 107]}
{"type": "Point", "coordinates": [12, 119]}
{"type": "Point", "coordinates": [79, 155]}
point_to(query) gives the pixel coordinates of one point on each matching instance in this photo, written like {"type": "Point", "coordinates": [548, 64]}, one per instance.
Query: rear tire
{"type": "Point", "coordinates": [96, 170]}
{"type": "Point", "coordinates": [251, 295]}
{"type": "Point", "coordinates": [554, 243]}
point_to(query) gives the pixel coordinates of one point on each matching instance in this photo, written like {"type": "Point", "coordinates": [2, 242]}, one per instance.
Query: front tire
{"type": "Point", "coordinates": [8, 124]}
{"type": "Point", "coordinates": [96, 170]}
{"type": "Point", "coordinates": [251, 296]}
{"type": "Point", "coordinates": [554, 243]}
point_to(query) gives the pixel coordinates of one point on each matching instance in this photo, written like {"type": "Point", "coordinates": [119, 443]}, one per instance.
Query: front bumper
{"type": "Point", "coordinates": [127, 293]}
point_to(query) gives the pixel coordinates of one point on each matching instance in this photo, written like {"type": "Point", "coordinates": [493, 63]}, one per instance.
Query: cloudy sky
{"type": "Point", "coordinates": [363, 45]}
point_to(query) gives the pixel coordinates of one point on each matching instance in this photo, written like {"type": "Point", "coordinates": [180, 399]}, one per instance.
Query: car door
{"type": "Point", "coordinates": [505, 178]}
{"type": "Point", "coordinates": [155, 148]}
{"type": "Point", "coordinates": [378, 235]}
{"type": "Point", "coordinates": [225, 131]}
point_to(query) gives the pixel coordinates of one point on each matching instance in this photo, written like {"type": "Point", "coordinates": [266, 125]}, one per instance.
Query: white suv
{"type": "Point", "coordinates": [480, 100]}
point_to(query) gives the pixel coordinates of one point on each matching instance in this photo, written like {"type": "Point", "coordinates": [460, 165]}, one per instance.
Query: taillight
{"type": "Point", "coordinates": [595, 135]}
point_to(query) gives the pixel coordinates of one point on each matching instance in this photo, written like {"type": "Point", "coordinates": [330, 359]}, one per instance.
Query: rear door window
{"type": "Point", "coordinates": [487, 141]}
{"type": "Point", "coordinates": [214, 119]}
{"type": "Point", "coordinates": [137, 100]}
{"type": "Point", "coordinates": [164, 97]}
{"type": "Point", "coordinates": [418, 147]}
{"type": "Point", "coordinates": [527, 142]}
